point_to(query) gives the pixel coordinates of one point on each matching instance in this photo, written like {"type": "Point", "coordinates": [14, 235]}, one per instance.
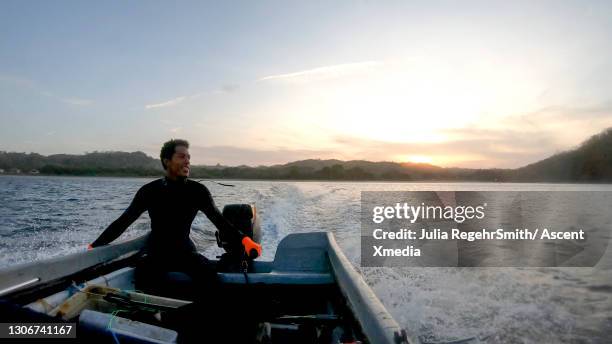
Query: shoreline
{"type": "Point", "coordinates": [318, 180]}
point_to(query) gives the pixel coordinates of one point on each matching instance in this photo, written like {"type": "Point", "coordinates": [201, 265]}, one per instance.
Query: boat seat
{"type": "Point", "coordinates": [278, 278]}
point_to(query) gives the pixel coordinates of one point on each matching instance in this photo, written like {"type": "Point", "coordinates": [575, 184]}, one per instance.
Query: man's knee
{"type": "Point", "coordinates": [199, 267]}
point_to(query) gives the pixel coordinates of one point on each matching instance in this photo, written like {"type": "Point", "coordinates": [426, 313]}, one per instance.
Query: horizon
{"type": "Point", "coordinates": [451, 85]}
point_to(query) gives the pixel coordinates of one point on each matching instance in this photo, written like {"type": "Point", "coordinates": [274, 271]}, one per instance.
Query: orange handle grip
{"type": "Point", "coordinates": [251, 248]}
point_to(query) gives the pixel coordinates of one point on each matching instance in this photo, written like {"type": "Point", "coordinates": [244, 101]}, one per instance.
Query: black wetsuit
{"type": "Point", "coordinates": [172, 206]}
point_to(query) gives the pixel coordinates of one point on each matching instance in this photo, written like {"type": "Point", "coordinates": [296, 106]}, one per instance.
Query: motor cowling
{"type": "Point", "coordinates": [244, 218]}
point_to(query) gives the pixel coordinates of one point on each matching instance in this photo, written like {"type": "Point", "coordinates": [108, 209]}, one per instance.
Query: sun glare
{"type": "Point", "coordinates": [418, 100]}
{"type": "Point", "coordinates": [401, 108]}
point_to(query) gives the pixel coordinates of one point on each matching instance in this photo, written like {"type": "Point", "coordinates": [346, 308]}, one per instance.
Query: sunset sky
{"type": "Point", "coordinates": [470, 84]}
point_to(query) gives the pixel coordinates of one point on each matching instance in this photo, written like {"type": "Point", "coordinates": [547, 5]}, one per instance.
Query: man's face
{"type": "Point", "coordinates": [178, 166]}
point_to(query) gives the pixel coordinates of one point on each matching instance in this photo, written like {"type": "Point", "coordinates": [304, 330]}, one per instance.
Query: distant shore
{"type": "Point", "coordinates": [591, 162]}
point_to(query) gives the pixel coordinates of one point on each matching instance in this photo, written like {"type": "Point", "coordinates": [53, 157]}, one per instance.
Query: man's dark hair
{"type": "Point", "coordinates": [168, 149]}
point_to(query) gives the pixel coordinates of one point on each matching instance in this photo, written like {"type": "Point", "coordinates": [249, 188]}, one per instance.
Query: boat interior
{"type": "Point", "coordinates": [294, 299]}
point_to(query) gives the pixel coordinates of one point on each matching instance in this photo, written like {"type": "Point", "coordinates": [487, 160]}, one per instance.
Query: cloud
{"type": "Point", "coordinates": [475, 148]}
{"type": "Point", "coordinates": [510, 142]}
{"type": "Point", "coordinates": [567, 113]}
{"type": "Point", "coordinates": [170, 102]}
{"type": "Point", "coordinates": [472, 148]}
{"type": "Point", "coordinates": [68, 100]}
{"type": "Point", "coordinates": [234, 156]}
{"type": "Point", "coordinates": [76, 101]}
{"type": "Point", "coordinates": [227, 88]}
{"type": "Point", "coordinates": [34, 86]}
{"type": "Point", "coordinates": [18, 81]}
{"type": "Point", "coordinates": [325, 73]}
{"type": "Point", "coordinates": [176, 130]}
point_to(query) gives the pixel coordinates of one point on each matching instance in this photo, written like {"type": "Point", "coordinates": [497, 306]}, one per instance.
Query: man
{"type": "Point", "coordinates": [172, 203]}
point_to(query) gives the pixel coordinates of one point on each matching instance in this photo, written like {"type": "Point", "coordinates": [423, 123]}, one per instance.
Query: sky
{"type": "Point", "coordinates": [466, 84]}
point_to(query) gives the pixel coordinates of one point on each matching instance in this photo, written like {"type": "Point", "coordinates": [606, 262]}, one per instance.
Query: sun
{"type": "Point", "coordinates": [419, 159]}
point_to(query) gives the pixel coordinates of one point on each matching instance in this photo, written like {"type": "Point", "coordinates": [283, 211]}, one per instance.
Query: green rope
{"type": "Point", "coordinates": [113, 315]}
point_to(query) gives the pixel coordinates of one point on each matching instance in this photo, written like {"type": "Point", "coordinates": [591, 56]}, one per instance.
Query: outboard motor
{"type": "Point", "coordinates": [244, 218]}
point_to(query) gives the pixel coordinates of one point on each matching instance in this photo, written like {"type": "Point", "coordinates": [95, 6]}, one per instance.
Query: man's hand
{"type": "Point", "coordinates": [89, 247]}
{"type": "Point", "coordinates": [251, 248]}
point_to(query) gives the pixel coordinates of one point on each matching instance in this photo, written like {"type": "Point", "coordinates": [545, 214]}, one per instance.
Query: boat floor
{"type": "Point", "coordinates": [240, 311]}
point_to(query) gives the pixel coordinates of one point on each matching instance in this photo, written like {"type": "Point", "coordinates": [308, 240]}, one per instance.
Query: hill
{"type": "Point", "coordinates": [590, 162]}
{"type": "Point", "coordinates": [96, 163]}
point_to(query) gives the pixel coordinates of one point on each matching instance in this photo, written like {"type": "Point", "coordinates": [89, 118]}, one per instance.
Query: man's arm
{"type": "Point", "coordinates": [208, 207]}
{"type": "Point", "coordinates": [136, 208]}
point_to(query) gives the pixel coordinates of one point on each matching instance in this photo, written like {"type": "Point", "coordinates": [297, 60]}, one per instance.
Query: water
{"type": "Point", "coordinates": [42, 217]}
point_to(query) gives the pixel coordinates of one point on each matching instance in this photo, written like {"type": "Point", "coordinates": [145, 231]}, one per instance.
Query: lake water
{"type": "Point", "coordinates": [42, 217]}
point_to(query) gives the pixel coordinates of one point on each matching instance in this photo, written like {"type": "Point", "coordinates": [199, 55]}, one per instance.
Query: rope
{"type": "Point", "coordinates": [110, 324]}
{"type": "Point", "coordinates": [73, 288]}
{"type": "Point", "coordinates": [245, 270]}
